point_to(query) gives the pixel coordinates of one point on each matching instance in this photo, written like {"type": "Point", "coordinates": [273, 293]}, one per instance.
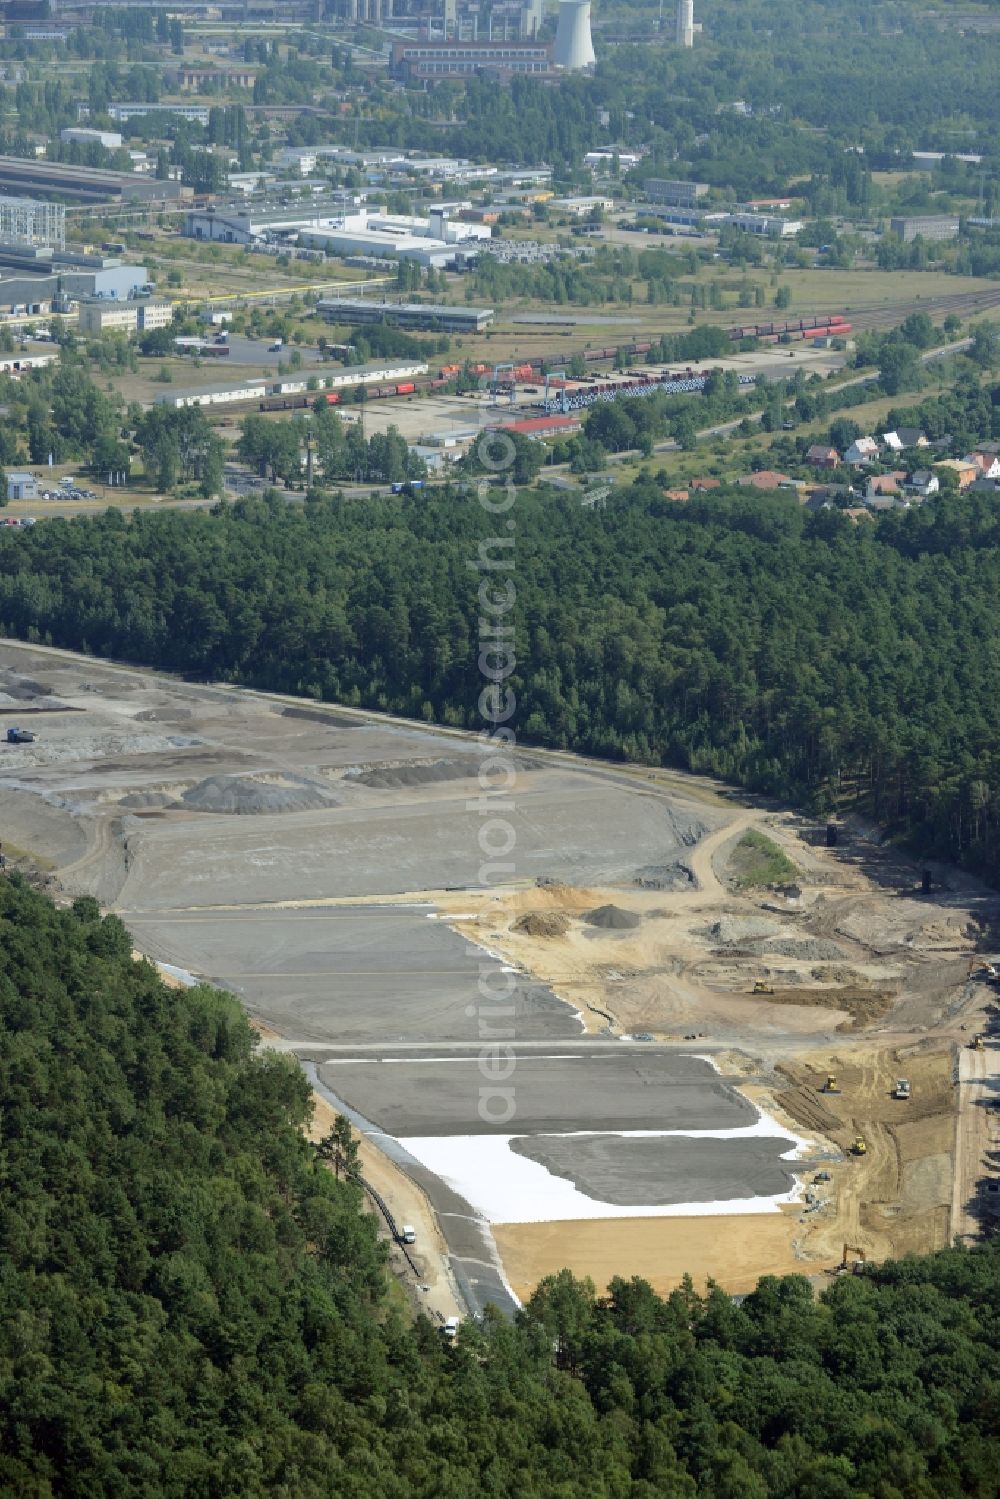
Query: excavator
{"type": "Point", "coordinates": [830, 1086]}
{"type": "Point", "coordinates": [860, 1146]}
{"type": "Point", "coordinates": [853, 1258]}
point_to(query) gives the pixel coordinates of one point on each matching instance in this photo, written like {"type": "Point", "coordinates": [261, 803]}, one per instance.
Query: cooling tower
{"type": "Point", "coordinates": [573, 47]}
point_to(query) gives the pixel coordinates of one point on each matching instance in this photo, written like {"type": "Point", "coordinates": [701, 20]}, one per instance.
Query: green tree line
{"type": "Point", "coordinates": [736, 634]}
{"type": "Point", "coordinates": [192, 1304]}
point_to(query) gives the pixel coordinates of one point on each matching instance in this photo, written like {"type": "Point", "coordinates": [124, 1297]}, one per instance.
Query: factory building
{"type": "Point", "coordinates": [111, 140]}
{"type": "Point", "coordinates": [101, 316]}
{"type": "Point", "coordinates": [764, 224]}
{"type": "Point", "coordinates": [82, 184]}
{"type": "Point", "coordinates": [47, 286]}
{"type": "Point", "coordinates": [247, 226]}
{"type": "Point", "coordinates": [679, 194]}
{"type": "Point", "coordinates": [433, 241]}
{"type": "Point", "coordinates": [361, 310]}
{"type": "Point", "coordinates": [933, 226]}
{"type": "Point", "coordinates": [195, 114]}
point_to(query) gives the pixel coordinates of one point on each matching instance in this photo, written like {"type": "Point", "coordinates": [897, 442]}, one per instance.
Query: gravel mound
{"type": "Point", "coordinates": [612, 918]}
{"type": "Point", "coordinates": [676, 876]}
{"type": "Point", "coordinates": [542, 924]}
{"type": "Point", "coordinates": [25, 688]}
{"type": "Point", "coordinates": [809, 949]}
{"type": "Point", "coordinates": [161, 715]}
{"type": "Point", "coordinates": [731, 931]}
{"type": "Point", "coordinates": [395, 777]}
{"type": "Point", "coordinates": [147, 801]}
{"type": "Point", "coordinates": [248, 796]}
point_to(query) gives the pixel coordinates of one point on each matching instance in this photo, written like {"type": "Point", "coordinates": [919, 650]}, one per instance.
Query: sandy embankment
{"type": "Point", "coordinates": [734, 1251]}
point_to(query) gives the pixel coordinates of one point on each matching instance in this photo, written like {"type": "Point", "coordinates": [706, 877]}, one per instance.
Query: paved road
{"type": "Point", "coordinates": [977, 1139]}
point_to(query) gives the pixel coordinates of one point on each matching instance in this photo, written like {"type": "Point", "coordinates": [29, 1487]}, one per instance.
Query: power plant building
{"type": "Point", "coordinates": [685, 23]}
{"type": "Point", "coordinates": [573, 49]}
{"type": "Point", "coordinates": [456, 59]}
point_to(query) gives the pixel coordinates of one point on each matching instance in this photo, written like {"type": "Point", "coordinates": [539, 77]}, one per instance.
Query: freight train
{"type": "Point", "coordinates": [672, 383]}
{"type": "Point", "coordinates": [530, 369]}
{"type": "Point", "coordinates": [334, 398]}
{"type": "Point", "coordinates": [811, 327]}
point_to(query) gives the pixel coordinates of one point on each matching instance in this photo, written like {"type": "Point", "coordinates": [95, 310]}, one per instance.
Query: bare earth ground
{"type": "Point", "coordinates": [321, 863]}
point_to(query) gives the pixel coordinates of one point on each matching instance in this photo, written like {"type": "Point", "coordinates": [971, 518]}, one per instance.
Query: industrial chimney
{"type": "Point", "coordinates": [573, 47]}
{"type": "Point", "coordinates": [685, 23]}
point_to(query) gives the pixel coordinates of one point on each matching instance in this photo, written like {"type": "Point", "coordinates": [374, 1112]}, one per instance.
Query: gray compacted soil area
{"type": "Point", "coordinates": [632, 1172]}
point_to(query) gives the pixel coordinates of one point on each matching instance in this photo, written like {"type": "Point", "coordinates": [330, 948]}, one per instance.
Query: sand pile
{"type": "Point", "coordinates": [612, 918]}
{"type": "Point", "coordinates": [251, 796]}
{"type": "Point", "coordinates": [542, 924]}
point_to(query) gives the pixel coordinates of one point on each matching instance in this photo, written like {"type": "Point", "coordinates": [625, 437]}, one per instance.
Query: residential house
{"type": "Point", "coordinates": [882, 502]}
{"type": "Point", "coordinates": [965, 473]}
{"type": "Point", "coordinates": [676, 494]}
{"type": "Point", "coordinates": [863, 450]}
{"type": "Point", "coordinates": [829, 494]}
{"type": "Point", "coordinates": [857, 512]}
{"type": "Point", "coordinates": [767, 478]}
{"type": "Point", "coordinates": [904, 437]}
{"type": "Point", "coordinates": [987, 463]}
{"type": "Point", "coordinates": [881, 484]}
{"type": "Point", "coordinates": [702, 486]}
{"type": "Point", "coordinates": [820, 456]}
{"type": "Point", "coordinates": [923, 482]}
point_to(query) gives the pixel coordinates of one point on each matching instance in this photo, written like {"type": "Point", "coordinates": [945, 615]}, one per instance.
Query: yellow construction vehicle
{"type": "Point", "coordinates": [977, 1044]}
{"type": "Point", "coordinates": [760, 987]}
{"type": "Point", "coordinates": [860, 1146]}
{"type": "Point", "coordinates": [853, 1258]}
{"type": "Point", "coordinates": [830, 1086]}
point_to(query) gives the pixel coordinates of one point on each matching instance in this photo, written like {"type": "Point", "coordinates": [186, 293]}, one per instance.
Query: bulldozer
{"type": "Point", "coordinates": [860, 1146]}
{"type": "Point", "coordinates": [830, 1086]}
{"type": "Point", "coordinates": [760, 987]}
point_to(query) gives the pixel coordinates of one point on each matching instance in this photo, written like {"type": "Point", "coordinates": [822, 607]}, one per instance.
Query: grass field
{"type": "Point", "coordinates": [757, 861]}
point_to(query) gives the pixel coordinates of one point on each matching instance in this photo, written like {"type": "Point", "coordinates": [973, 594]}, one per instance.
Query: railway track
{"type": "Point", "coordinates": [961, 304]}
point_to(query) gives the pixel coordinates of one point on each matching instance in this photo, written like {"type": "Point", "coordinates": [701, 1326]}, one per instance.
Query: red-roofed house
{"type": "Point", "coordinates": [768, 478]}
{"type": "Point", "coordinates": [820, 456]}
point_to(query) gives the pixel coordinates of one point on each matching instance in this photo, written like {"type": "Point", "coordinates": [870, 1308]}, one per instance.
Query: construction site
{"type": "Point", "coordinates": [739, 1042]}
